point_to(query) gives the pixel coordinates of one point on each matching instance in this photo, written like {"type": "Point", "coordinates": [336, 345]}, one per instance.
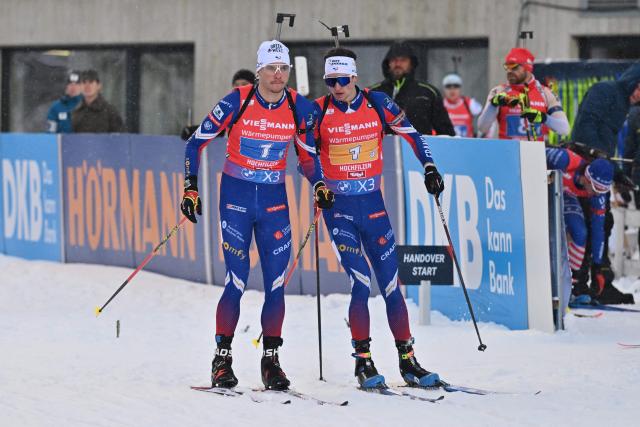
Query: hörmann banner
{"type": "Point", "coordinates": [122, 196]}
{"type": "Point", "coordinates": [31, 210]}
{"type": "Point", "coordinates": [483, 206]}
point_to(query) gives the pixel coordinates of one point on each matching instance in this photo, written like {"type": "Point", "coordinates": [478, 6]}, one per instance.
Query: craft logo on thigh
{"type": "Point", "coordinates": [277, 208]}
{"type": "Point", "coordinates": [377, 214]}
{"type": "Point", "coordinates": [234, 251]}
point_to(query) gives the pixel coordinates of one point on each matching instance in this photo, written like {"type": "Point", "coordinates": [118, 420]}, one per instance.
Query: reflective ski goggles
{"type": "Point", "coordinates": [510, 67]}
{"type": "Point", "coordinates": [274, 68]}
{"type": "Point", "coordinates": [342, 81]}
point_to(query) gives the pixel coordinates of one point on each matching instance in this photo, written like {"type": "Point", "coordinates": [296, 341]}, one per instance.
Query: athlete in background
{"type": "Point", "coordinates": [505, 103]}
{"type": "Point", "coordinates": [461, 109]}
{"type": "Point", "coordinates": [350, 129]}
{"type": "Point", "coordinates": [261, 122]}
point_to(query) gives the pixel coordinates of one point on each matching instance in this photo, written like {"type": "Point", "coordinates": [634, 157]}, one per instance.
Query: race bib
{"type": "Point", "coordinates": [356, 152]}
{"type": "Point", "coordinates": [259, 149]}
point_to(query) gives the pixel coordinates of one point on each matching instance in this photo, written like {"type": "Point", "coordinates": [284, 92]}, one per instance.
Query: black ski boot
{"type": "Point", "coordinates": [273, 377]}
{"type": "Point", "coordinates": [602, 287]}
{"type": "Point", "coordinates": [366, 371]}
{"type": "Point", "coordinates": [580, 292]}
{"type": "Point", "coordinates": [221, 372]}
{"type": "Point", "coordinates": [410, 369]}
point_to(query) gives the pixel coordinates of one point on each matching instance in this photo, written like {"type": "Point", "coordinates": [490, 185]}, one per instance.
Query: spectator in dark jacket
{"type": "Point", "coordinates": [95, 114]}
{"type": "Point", "coordinates": [421, 101]}
{"type": "Point", "coordinates": [601, 116]}
{"type": "Point", "coordinates": [632, 148]}
{"type": "Point", "coordinates": [604, 109]}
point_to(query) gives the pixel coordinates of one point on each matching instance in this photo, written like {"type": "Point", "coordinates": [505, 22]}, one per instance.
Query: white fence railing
{"type": "Point", "coordinates": [624, 242]}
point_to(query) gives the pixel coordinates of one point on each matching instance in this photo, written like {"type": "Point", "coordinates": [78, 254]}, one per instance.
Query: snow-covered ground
{"type": "Point", "coordinates": [62, 366]}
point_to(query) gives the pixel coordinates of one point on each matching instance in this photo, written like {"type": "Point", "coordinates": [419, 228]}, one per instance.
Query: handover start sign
{"type": "Point", "coordinates": [429, 263]}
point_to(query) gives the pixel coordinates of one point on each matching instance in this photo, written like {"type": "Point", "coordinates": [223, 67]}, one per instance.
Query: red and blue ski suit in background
{"type": "Point", "coordinates": [253, 197]}
{"type": "Point", "coordinates": [350, 142]}
{"type": "Point", "coordinates": [573, 167]}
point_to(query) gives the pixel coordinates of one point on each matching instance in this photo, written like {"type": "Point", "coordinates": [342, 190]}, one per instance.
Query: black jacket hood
{"type": "Point", "coordinates": [399, 48]}
{"type": "Point", "coordinates": [630, 78]}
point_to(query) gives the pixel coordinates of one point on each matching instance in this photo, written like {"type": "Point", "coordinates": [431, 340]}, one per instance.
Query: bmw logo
{"type": "Point", "coordinates": [248, 173]}
{"type": "Point", "coordinates": [344, 186]}
{"type": "Point", "coordinates": [335, 231]}
{"type": "Point", "coordinates": [224, 224]}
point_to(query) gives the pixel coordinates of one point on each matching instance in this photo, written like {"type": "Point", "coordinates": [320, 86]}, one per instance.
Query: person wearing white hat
{"type": "Point", "coordinates": [59, 115]}
{"type": "Point", "coordinates": [261, 121]}
{"type": "Point", "coordinates": [461, 109]}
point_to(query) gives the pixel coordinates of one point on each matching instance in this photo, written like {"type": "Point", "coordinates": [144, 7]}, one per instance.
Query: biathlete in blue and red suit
{"type": "Point", "coordinates": [261, 122]}
{"type": "Point", "coordinates": [349, 133]}
{"type": "Point", "coordinates": [585, 184]}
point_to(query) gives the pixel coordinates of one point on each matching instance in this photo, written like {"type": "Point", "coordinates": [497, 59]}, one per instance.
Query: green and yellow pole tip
{"type": "Point", "coordinates": [255, 342]}
{"type": "Point", "coordinates": [97, 310]}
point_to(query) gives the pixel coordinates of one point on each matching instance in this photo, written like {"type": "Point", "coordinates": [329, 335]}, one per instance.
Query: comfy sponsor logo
{"type": "Point", "coordinates": [233, 250]}
{"type": "Point", "coordinates": [348, 249]}
{"type": "Point", "coordinates": [356, 175]}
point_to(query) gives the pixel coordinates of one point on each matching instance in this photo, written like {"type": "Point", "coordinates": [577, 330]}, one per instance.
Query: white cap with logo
{"type": "Point", "coordinates": [272, 52]}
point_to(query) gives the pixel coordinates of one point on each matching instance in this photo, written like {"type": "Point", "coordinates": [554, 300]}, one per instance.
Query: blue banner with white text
{"type": "Point", "coordinates": [482, 204]}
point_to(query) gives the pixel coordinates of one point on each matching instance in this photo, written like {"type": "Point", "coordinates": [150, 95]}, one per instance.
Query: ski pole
{"type": "Point", "coordinates": [318, 299]}
{"type": "Point", "coordinates": [144, 262]}
{"type": "Point", "coordinates": [527, 104]}
{"type": "Point", "coordinates": [256, 341]}
{"type": "Point", "coordinates": [481, 347]}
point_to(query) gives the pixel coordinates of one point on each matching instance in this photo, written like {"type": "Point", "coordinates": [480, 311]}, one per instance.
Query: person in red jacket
{"type": "Point", "coordinates": [461, 109]}
{"type": "Point", "coordinates": [523, 107]}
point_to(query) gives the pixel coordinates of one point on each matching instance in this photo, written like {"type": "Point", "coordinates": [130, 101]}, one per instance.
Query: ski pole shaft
{"type": "Point", "coordinates": [318, 298]}
{"type": "Point", "coordinates": [481, 347]}
{"type": "Point", "coordinates": [312, 227]}
{"type": "Point", "coordinates": [144, 262]}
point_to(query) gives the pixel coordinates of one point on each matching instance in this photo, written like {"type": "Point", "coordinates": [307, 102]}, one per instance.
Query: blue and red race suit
{"type": "Point", "coordinates": [573, 166]}
{"type": "Point", "coordinates": [350, 138]}
{"type": "Point", "coordinates": [252, 193]}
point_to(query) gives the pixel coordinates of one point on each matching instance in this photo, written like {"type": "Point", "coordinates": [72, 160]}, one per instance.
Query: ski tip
{"type": "Point", "coordinates": [97, 311]}
{"type": "Point", "coordinates": [345, 403]}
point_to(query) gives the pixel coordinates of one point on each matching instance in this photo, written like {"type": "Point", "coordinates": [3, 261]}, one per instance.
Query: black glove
{"type": "Point", "coordinates": [186, 132]}
{"type": "Point", "coordinates": [433, 180]}
{"type": "Point", "coordinates": [323, 196]}
{"type": "Point", "coordinates": [191, 200]}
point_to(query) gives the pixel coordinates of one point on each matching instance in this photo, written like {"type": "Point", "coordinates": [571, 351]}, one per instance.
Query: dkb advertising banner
{"type": "Point", "coordinates": [483, 206]}
{"type": "Point", "coordinates": [30, 202]}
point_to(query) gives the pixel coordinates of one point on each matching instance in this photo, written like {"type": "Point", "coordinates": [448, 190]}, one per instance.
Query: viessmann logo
{"type": "Point", "coordinates": [264, 124]}
{"type": "Point", "coordinates": [347, 128]}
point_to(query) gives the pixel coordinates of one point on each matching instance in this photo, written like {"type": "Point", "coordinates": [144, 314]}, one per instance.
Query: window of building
{"type": "Point", "coordinates": [150, 86]}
